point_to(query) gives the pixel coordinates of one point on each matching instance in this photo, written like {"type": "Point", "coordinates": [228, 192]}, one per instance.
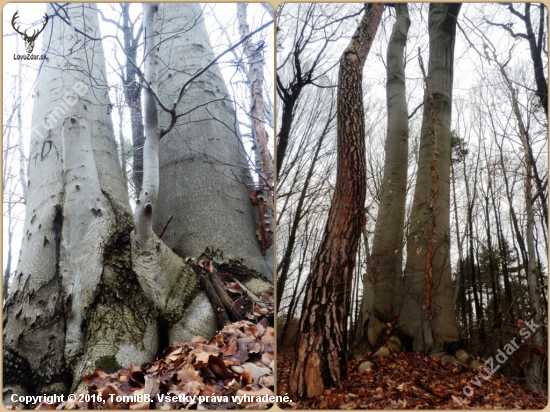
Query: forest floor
{"type": "Point", "coordinates": [232, 370]}
{"type": "Point", "coordinates": [414, 381]}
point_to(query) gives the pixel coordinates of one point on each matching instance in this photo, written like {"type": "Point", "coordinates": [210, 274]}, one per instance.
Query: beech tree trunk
{"type": "Point", "coordinates": [322, 340]}
{"type": "Point", "coordinates": [427, 317]}
{"type": "Point", "coordinates": [75, 304]}
{"type": "Point", "coordinates": [385, 261]}
{"type": "Point", "coordinates": [205, 183]}
{"type": "Point", "coordinates": [90, 292]}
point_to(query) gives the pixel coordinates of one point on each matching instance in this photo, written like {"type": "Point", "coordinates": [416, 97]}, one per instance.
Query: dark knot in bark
{"type": "Point", "coordinates": [148, 208]}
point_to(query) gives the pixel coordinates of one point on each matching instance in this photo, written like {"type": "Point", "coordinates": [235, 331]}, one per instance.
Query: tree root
{"type": "Point", "coordinates": [393, 344]}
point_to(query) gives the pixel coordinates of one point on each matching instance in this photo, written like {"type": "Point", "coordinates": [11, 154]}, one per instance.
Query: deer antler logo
{"type": "Point", "coordinates": [29, 40]}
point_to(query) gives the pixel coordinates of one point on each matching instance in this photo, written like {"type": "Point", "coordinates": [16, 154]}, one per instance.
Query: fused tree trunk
{"type": "Point", "coordinates": [385, 261]}
{"type": "Point", "coordinates": [163, 276]}
{"type": "Point", "coordinates": [75, 304]}
{"type": "Point", "coordinates": [90, 292]}
{"type": "Point", "coordinates": [427, 317]}
{"type": "Point", "coordinates": [205, 183]}
{"type": "Point", "coordinates": [322, 340]}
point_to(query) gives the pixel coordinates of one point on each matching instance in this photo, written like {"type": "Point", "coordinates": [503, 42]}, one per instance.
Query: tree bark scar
{"type": "Point", "coordinates": [314, 385]}
{"type": "Point", "coordinates": [263, 233]}
{"type": "Point", "coordinates": [351, 56]}
{"type": "Point", "coordinates": [433, 191]}
{"type": "Point", "coordinates": [58, 229]}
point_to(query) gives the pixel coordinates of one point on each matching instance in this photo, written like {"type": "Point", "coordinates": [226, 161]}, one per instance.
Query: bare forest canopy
{"type": "Point", "coordinates": [461, 268]}
{"type": "Point", "coordinates": [138, 183]}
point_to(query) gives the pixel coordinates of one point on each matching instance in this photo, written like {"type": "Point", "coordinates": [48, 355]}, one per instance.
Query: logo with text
{"type": "Point", "coordinates": [29, 39]}
{"type": "Point", "coordinates": [490, 367]}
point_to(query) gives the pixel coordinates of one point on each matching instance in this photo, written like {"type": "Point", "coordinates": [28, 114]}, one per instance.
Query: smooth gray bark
{"type": "Point", "coordinates": [385, 261]}
{"type": "Point", "coordinates": [165, 278]}
{"type": "Point", "coordinates": [89, 292]}
{"type": "Point", "coordinates": [204, 179]}
{"type": "Point", "coordinates": [74, 304]}
{"type": "Point", "coordinates": [430, 329]}
{"type": "Point", "coordinates": [146, 204]}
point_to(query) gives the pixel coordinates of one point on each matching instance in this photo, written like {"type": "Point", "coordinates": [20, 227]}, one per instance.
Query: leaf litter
{"type": "Point", "coordinates": [414, 381]}
{"type": "Point", "coordinates": [238, 361]}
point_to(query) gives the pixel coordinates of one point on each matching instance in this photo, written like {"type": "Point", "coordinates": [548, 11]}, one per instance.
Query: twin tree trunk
{"type": "Point", "coordinates": [426, 319]}
{"type": "Point", "coordinates": [89, 292]}
{"type": "Point", "coordinates": [385, 261]}
{"type": "Point", "coordinates": [322, 341]}
{"type": "Point", "coordinates": [422, 301]}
